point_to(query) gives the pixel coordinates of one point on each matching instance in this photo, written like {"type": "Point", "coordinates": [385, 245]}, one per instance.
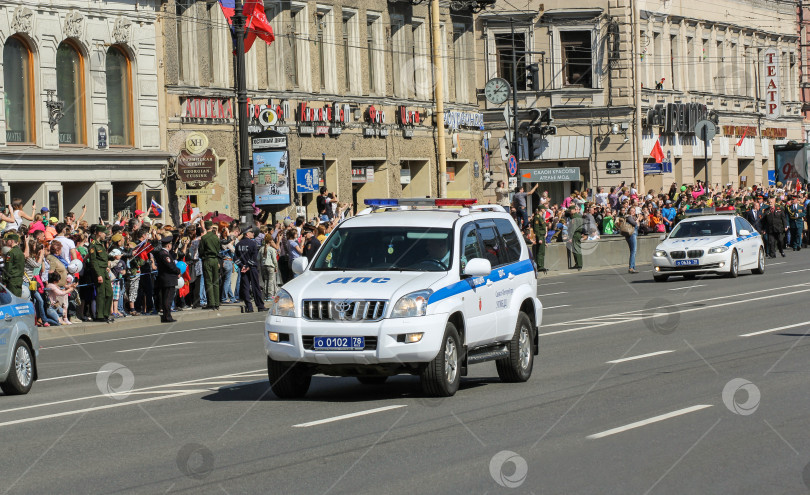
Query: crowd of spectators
{"type": "Point", "coordinates": [65, 265]}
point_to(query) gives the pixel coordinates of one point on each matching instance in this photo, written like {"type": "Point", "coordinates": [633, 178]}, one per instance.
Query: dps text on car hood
{"type": "Point", "coordinates": [388, 285]}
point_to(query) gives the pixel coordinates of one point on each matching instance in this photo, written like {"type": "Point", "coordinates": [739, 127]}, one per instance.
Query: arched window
{"type": "Point", "coordinates": [18, 79]}
{"type": "Point", "coordinates": [70, 90]}
{"type": "Point", "coordinates": [119, 97]}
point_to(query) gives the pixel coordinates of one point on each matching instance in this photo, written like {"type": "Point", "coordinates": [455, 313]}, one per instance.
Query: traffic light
{"type": "Point", "coordinates": [532, 77]}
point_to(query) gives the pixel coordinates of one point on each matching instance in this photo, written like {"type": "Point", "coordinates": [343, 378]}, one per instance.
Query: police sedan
{"type": "Point", "coordinates": [19, 344]}
{"type": "Point", "coordinates": [709, 240]}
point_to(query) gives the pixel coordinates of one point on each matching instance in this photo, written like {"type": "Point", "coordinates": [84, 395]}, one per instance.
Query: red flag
{"type": "Point", "coordinates": [187, 210]}
{"type": "Point", "coordinates": [657, 152]}
{"type": "Point", "coordinates": [740, 142]}
{"type": "Point", "coordinates": [184, 290]}
{"type": "Point", "coordinates": [257, 24]}
{"type": "Point", "coordinates": [142, 250]}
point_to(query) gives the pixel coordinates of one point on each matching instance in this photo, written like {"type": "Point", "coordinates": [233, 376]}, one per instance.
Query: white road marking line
{"type": "Point", "coordinates": [348, 416]}
{"type": "Point", "coordinates": [774, 264]}
{"type": "Point", "coordinates": [152, 387]}
{"type": "Point", "coordinates": [76, 344]}
{"type": "Point", "coordinates": [690, 287]}
{"type": "Point", "coordinates": [156, 346]}
{"type": "Point", "coordinates": [555, 307]}
{"type": "Point", "coordinates": [67, 376]}
{"type": "Point", "coordinates": [642, 317]}
{"type": "Point", "coordinates": [703, 300]}
{"type": "Point", "coordinates": [640, 356]}
{"type": "Point", "coordinates": [551, 283]}
{"type": "Point", "coordinates": [797, 271]}
{"type": "Point", "coordinates": [90, 409]}
{"type": "Point", "coordinates": [772, 330]}
{"type": "Point", "coordinates": [551, 294]}
{"type": "Point", "coordinates": [639, 424]}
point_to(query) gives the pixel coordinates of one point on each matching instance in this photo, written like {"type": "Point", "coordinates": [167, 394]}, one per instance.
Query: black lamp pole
{"type": "Point", "coordinates": [245, 188]}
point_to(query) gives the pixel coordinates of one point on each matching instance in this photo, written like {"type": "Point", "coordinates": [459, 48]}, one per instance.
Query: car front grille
{"type": "Point", "coordinates": [343, 310]}
{"type": "Point", "coordinates": [695, 253]}
{"type": "Point", "coordinates": [309, 342]}
{"type": "Point", "coordinates": [678, 255]}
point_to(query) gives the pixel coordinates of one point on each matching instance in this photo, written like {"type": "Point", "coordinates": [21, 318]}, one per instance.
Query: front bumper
{"type": "Point", "coordinates": [388, 349]}
{"type": "Point", "coordinates": [708, 263]}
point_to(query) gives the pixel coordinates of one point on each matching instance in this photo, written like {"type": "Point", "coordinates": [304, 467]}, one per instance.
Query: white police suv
{"type": "Point", "coordinates": [400, 289]}
{"type": "Point", "coordinates": [709, 240]}
{"type": "Point", "coordinates": [19, 343]}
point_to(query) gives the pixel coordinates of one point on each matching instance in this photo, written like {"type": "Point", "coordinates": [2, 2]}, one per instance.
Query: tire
{"type": "Point", "coordinates": [518, 366]}
{"type": "Point", "coordinates": [288, 381]}
{"type": "Point", "coordinates": [21, 372]}
{"type": "Point", "coordinates": [372, 380]}
{"type": "Point", "coordinates": [660, 278]}
{"type": "Point", "coordinates": [442, 376]}
{"type": "Point", "coordinates": [734, 266]}
{"type": "Point", "coordinates": [760, 269]}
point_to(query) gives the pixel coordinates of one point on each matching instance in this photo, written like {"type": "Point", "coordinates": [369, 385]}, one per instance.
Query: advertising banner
{"type": "Point", "coordinates": [791, 164]}
{"type": "Point", "coordinates": [271, 173]}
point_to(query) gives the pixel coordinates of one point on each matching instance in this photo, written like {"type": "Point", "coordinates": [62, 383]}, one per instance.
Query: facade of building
{"type": "Point", "coordinates": [80, 124]}
{"type": "Point", "coordinates": [619, 75]}
{"type": "Point", "coordinates": [803, 12]}
{"type": "Point", "coordinates": [350, 86]}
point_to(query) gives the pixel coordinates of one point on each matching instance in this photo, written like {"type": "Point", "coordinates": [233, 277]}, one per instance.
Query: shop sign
{"type": "Point", "coordinates": [407, 132]}
{"type": "Point", "coordinates": [336, 131]}
{"type": "Point", "coordinates": [336, 114]}
{"type": "Point", "coordinates": [375, 131]}
{"type": "Point", "coordinates": [614, 167]}
{"type": "Point", "coordinates": [262, 143]}
{"type": "Point", "coordinates": [408, 117]}
{"type": "Point", "coordinates": [282, 129]}
{"type": "Point", "coordinates": [404, 175]}
{"type": "Point", "coordinates": [206, 110]}
{"type": "Point", "coordinates": [195, 192]}
{"type": "Point", "coordinates": [197, 170]}
{"type": "Point", "coordinates": [451, 174]}
{"type": "Point", "coordinates": [775, 132]}
{"type": "Point", "coordinates": [773, 102]}
{"type": "Point", "coordinates": [321, 130]}
{"type": "Point", "coordinates": [560, 174]}
{"type": "Point", "coordinates": [740, 130]}
{"type": "Point", "coordinates": [455, 120]}
{"type": "Point", "coordinates": [375, 115]}
{"type": "Point", "coordinates": [306, 129]}
{"type": "Point", "coordinates": [677, 117]}
{"type": "Point", "coordinates": [362, 175]}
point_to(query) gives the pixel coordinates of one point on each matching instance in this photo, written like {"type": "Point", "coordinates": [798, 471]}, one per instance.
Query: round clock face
{"type": "Point", "coordinates": [497, 90]}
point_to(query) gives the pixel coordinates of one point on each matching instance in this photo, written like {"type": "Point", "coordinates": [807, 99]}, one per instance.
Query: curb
{"type": "Point", "coordinates": [132, 322]}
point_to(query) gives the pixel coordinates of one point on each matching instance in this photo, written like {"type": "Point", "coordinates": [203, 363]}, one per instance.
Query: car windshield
{"type": "Point", "coordinates": [702, 228]}
{"type": "Point", "coordinates": [386, 248]}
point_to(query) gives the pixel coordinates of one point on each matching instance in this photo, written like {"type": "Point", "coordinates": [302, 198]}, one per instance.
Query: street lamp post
{"type": "Point", "coordinates": [244, 181]}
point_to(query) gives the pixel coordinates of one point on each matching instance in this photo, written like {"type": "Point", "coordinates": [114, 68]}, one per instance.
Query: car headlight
{"type": "Point", "coordinates": [718, 249]}
{"type": "Point", "coordinates": [282, 304]}
{"type": "Point", "coordinates": [413, 304]}
{"type": "Point", "coordinates": [660, 254]}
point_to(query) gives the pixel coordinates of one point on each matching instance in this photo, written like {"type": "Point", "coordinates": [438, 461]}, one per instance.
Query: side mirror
{"type": "Point", "coordinates": [478, 267]}
{"type": "Point", "coordinates": [299, 265]}
{"type": "Point", "coordinates": [744, 233]}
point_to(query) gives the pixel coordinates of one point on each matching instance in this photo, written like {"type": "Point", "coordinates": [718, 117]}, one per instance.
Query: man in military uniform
{"type": "Point", "coordinates": [14, 265]}
{"type": "Point", "coordinates": [575, 227]}
{"type": "Point", "coordinates": [247, 259]}
{"type": "Point", "coordinates": [167, 275]}
{"type": "Point", "coordinates": [540, 231]}
{"type": "Point", "coordinates": [209, 253]}
{"type": "Point", "coordinates": [796, 216]}
{"type": "Point", "coordinates": [98, 260]}
{"type": "Point", "coordinates": [773, 222]}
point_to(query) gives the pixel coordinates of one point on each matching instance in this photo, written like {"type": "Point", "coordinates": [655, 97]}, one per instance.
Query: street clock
{"type": "Point", "coordinates": [497, 90]}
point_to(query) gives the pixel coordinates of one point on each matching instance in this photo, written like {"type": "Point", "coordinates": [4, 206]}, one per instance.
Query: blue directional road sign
{"type": "Point", "coordinates": [307, 179]}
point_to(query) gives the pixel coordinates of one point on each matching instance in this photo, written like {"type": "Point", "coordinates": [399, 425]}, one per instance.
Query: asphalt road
{"type": "Point", "coordinates": [633, 392]}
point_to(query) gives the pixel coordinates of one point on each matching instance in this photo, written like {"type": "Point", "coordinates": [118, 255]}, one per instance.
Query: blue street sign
{"type": "Point", "coordinates": [666, 167]}
{"type": "Point", "coordinates": [307, 180]}
{"type": "Point", "coordinates": [512, 163]}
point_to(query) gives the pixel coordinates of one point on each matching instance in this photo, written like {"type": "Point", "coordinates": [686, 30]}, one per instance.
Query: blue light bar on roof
{"type": "Point", "coordinates": [380, 203]}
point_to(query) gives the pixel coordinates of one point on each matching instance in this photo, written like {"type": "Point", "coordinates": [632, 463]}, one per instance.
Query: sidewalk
{"type": "Point", "coordinates": [130, 322]}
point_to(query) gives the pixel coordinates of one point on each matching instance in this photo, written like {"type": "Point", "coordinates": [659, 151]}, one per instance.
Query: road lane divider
{"type": "Point", "coordinates": [155, 347]}
{"type": "Point", "coordinates": [645, 422]}
{"type": "Point", "coordinates": [67, 376]}
{"type": "Point", "coordinates": [772, 330]}
{"type": "Point", "coordinates": [348, 416]}
{"type": "Point", "coordinates": [689, 287]}
{"type": "Point", "coordinates": [640, 356]}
